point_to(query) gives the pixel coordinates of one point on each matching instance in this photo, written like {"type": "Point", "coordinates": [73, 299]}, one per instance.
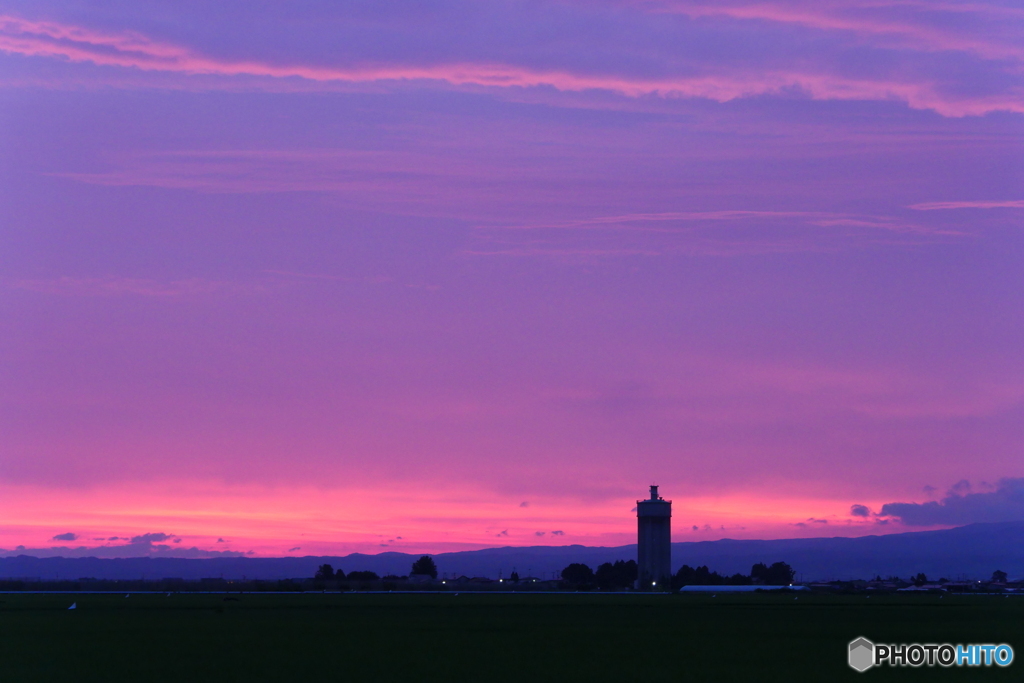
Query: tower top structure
{"type": "Point", "coordinates": [655, 499]}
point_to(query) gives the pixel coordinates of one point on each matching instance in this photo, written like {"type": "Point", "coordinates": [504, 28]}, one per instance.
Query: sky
{"type": "Point", "coordinates": [292, 278]}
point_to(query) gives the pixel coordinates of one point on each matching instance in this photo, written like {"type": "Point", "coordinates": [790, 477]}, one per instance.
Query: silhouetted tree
{"type": "Point", "coordinates": [779, 574]}
{"type": "Point", "coordinates": [919, 580]}
{"type": "Point", "coordinates": [578, 575]}
{"type": "Point", "coordinates": [707, 577]}
{"type": "Point", "coordinates": [325, 572]}
{"type": "Point", "coordinates": [678, 579]}
{"type": "Point", "coordinates": [619, 575]}
{"type": "Point", "coordinates": [683, 577]}
{"type": "Point", "coordinates": [514, 576]}
{"type": "Point", "coordinates": [999, 576]}
{"type": "Point", "coordinates": [738, 579]}
{"type": "Point", "coordinates": [783, 573]}
{"type": "Point", "coordinates": [363, 576]}
{"type": "Point", "coordinates": [425, 565]}
{"type": "Point", "coordinates": [701, 576]}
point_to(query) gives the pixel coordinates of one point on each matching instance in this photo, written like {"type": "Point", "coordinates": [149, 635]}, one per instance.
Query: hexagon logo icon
{"type": "Point", "coordinates": [862, 654]}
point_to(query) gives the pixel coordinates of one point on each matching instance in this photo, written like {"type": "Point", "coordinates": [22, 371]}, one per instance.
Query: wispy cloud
{"type": "Point", "coordinates": [637, 220]}
{"type": "Point", "coordinates": [378, 280]}
{"type": "Point", "coordinates": [135, 51]}
{"type": "Point", "coordinates": [717, 233]}
{"type": "Point", "coordinates": [905, 23]}
{"type": "Point", "coordinates": [982, 204]}
{"type": "Point", "coordinates": [471, 187]}
{"type": "Point", "coordinates": [653, 221]}
{"type": "Point", "coordinates": [233, 171]}
{"type": "Point", "coordinates": [121, 286]}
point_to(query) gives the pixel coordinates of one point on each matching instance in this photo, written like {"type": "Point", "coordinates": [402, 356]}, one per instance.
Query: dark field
{"type": "Point", "coordinates": [467, 637]}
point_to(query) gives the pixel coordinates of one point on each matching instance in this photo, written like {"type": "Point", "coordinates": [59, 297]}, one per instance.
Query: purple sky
{"type": "Point", "coordinates": [344, 275]}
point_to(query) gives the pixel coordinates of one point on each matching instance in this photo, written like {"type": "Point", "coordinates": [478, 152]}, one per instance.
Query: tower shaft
{"type": "Point", "coordinates": [654, 542]}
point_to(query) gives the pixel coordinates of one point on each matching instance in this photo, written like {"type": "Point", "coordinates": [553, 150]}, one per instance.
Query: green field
{"type": "Point", "coordinates": [467, 637]}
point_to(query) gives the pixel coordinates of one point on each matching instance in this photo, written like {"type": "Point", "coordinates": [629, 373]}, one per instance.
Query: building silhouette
{"type": "Point", "coordinates": [654, 542]}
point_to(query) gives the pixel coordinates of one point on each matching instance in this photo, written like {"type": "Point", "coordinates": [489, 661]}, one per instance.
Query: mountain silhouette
{"type": "Point", "coordinates": [973, 551]}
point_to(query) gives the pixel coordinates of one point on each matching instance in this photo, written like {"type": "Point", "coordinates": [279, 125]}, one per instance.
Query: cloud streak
{"type": "Point", "coordinates": [713, 233]}
{"type": "Point", "coordinates": [471, 187]}
{"type": "Point", "coordinates": [650, 221]}
{"type": "Point", "coordinates": [135, 51]}
{"type": "Point", "coordinates": [113, 286]}
{"type": "Point", "coordinates": [904, 23]}
{"type": "Point", "coordinates": [939, 206]}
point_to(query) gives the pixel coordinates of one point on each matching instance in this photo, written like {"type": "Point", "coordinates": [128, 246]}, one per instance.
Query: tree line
{"type": "Point", "coordinates": [424, 567]}
{"type": "Point", "coordinates": [609, 576]}
{"type": "Point", "coordinates": [778, 574]}
{"type": "Point", "coordinates": [618, 575]}
{"type": "Point", "coordinates": [622, 574]}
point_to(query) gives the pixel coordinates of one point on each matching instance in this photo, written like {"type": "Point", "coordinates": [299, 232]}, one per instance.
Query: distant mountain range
{"type": "Point", "coordinates": [973, 551]}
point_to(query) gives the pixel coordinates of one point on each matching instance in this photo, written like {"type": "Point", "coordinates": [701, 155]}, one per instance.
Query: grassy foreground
{"type": "Point", "coordinates": [466, 637]}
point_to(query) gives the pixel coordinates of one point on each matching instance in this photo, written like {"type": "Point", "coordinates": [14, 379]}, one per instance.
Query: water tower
{"type": "Point", "coordinates": [654, 542]}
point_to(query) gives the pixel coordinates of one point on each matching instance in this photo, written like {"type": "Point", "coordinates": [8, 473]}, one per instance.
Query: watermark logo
{"type": "Point", "coordinates": [863, 654]}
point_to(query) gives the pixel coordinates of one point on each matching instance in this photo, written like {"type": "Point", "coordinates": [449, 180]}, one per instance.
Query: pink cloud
{"type": "Point", "coordinates": [132, 50]}
{"type": "Point", "coordinates": [869, 18]}
{"type": "Point", "coordinates": [936, 206]}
